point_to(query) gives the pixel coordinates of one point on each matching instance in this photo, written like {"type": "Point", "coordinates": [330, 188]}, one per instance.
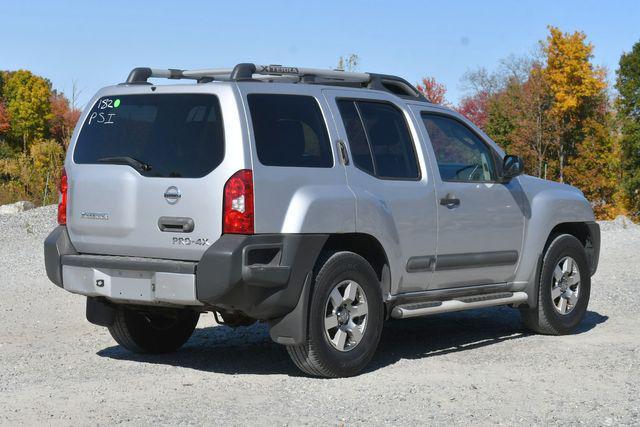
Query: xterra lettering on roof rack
{"type": "Point", "coordinates": [278, 73]}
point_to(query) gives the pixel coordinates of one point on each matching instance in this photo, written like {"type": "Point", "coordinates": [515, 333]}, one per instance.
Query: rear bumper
{"type": "Point", "coordinates": [259, 275]}
{"type": "Point", "coordinates": [127, 285]}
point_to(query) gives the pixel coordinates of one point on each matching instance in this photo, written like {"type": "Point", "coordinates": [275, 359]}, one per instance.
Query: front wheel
{"type": "Point", "coordinates": [563, 290]}
{"type": "Point", "coordinates": [345, 319]}
{"type": "Point", "coordinates": [153, 331]}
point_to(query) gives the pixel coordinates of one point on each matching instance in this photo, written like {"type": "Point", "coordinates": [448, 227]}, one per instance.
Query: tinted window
{"type": "Point", "coordinates": [360, 151]}
{"type": "Point", "coordinates": [385, 133]}
{"type": "Point", "coordinates": [177, 135]}
{"type": "Point", "coordinates": [460, 153]}
{"type": "Point", "coordinates": [289, 130]}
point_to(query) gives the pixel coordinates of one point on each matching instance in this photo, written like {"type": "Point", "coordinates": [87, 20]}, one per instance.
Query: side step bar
{"type": "Point", "coordinates": [463, 303]}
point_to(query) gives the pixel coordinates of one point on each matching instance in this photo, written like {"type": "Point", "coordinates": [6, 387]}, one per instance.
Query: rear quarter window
{"type": "Point", "coordinates": [177, 135]}
{"type": "Point", "coordinates": [289, 130]}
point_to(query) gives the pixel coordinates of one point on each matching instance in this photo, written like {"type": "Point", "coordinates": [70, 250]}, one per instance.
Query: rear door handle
{"type": "Point", "coordinates": [450, 201]}
{"type": "Point", "coordinates": [343, 152]}
{"type": "Point", "coordinates": [174, 224]}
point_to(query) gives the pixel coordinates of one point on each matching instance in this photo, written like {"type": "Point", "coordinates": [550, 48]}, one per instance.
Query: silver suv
{"type": "Point", "coordinates": [320, 202]}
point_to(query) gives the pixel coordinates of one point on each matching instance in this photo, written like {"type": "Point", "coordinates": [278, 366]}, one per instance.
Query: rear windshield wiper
{"type": "Point", "coordinates": [126, 160]}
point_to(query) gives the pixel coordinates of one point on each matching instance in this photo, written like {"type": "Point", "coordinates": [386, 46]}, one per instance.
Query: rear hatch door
{"type": "Point", "coordinates": [146, 175]}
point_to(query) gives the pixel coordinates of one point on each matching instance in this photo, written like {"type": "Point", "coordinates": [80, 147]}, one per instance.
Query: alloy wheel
{"type": "Point", "coordinates": [346, 312]}
{"type": "Point", "coordinates": [565, 286]}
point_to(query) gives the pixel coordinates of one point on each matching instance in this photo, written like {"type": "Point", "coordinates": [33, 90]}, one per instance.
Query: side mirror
{"type": "Point", "coordinates": [512, 166]}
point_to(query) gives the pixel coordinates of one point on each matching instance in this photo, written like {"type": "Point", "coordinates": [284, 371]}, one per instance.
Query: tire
{"type": "Point", "coordinates": [318, 356]}
{"type": "Point", "coordinates": [548, 317]}
{"type": "Point", "coordinates": [153, 332]}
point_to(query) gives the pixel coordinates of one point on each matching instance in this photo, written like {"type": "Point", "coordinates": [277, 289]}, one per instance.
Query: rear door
{"type": "Point", "coordinates": [392, 182]}
{"type": "Point", "coordinates": [147, 170]}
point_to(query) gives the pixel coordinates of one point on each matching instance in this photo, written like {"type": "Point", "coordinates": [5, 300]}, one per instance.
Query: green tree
{"type": "Point", "coordinates": [27, 99]}
{"type": "Point", "coordinates": [597, 168]}
{"type": "Point", "coordinates": [500, 123]}
{"type": "Point", "coordinates": [628, 106]}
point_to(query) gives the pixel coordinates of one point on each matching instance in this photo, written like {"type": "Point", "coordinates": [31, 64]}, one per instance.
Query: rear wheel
{"type": "Point", "coordinates": [153, 331]}
{"type": "Point", "coordinates": [564, 288]}
{"type": "Point", "coordinates": [345, 319]}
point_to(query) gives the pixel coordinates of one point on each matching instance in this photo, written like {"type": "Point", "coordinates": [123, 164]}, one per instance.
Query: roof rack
{"type": "Point", "coordinates": [252, 72]}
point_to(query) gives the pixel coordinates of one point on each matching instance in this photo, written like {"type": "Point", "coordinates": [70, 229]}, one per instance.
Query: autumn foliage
{"type": "Point", "coordinates": [554, 110]}
{"type": "Point", "coordinates": [476, 108]}
{"type": "Point", "coordinates": [432, 90]}
{"type": "Point", "coordinates": [35, 127]}
{"type": "Point", "coordinates": [64, 118]}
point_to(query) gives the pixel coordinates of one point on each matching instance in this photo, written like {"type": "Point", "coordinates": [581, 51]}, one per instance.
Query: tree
{"type": "Point", "coordinates": [33, 175]}
{"type": "Point", "coordinates": [552, 109]}
{"type": "Point", "coordinates": [628, 105]}
{"type": "Point", "coordinates": [350, 63]}
{"type": "Point", "coordinates": [4, 119]}
{"type": "Point", "coordinates": [483, 81]}
{"type": "Point", "coordinates": [597, 169]}
{"type": "Point", "coordinates": [30, 111]}
{"type": "Point", "coordinates": [64, 118]}
{"type": "Point", "coordinates": [476, 108]}
{"type": "Point", "coordinates": [519, 120]}
{"type": "Point", "coordinates": [27, 101]}
{"type": "Point", "coordinates": [432, 90]}
{"type": "Point", "coordinates": [483, 105]}
{"type": "Point", "coordinates": [536, 127]}
{"type": "Point", "coordinates": [46, 158]}
{"type": "Point", "coordinates": [577, 87]}
{"type": "Point", "coordinates": [500, 121]}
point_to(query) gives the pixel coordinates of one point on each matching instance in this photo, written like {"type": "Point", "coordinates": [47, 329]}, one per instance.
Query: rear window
{"type": "Point", "coordinates": [175, 135]}
{"type": "Point", "coordinates": [289, 130]}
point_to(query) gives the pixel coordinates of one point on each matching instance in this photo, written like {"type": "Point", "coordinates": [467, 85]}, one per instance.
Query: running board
{"type": "Point", "coordinates": [463, 303]}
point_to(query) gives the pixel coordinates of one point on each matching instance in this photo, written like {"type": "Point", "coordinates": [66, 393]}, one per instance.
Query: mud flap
{"type": "Point", "coordinates": [291, 329]}
{"type": "Point", "coordinates": [100, 312]}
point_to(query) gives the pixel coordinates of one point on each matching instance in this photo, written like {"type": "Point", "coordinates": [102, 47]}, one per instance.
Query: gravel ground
{"type": "Point", "coordinates": [471, 367]}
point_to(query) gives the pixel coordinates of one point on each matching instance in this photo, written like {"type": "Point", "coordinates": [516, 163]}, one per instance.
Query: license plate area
{"type": "Point", "coordinates": [131, 286]}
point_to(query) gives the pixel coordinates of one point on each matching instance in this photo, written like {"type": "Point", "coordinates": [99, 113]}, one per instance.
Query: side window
{"type": "Point", "coordinates": [460, 153]}
{"type": "Point", "coordinates": [360, 151]}
{"type": "Point", "coordinates": [379, 139]}
{"type": "Point", "coordinates": [289, 130]}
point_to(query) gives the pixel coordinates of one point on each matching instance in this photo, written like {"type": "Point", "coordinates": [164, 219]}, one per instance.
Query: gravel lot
{"type": "Point", "coordinates": [471, 367]}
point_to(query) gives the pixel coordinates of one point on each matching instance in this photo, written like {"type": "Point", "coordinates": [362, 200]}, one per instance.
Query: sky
{"type": "Point", "coordinates": [97, 43]}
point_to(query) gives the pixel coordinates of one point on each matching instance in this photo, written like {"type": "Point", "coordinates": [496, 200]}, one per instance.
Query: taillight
{"type": "Point", "coordinates": [237, 216]}
{"type": "Point", "coordinates": [62, 203]}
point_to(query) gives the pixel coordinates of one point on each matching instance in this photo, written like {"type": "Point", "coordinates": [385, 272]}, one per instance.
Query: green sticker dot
{"type": "Point", "coordinates": [116, 103]}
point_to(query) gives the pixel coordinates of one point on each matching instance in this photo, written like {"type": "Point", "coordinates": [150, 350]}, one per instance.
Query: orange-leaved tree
{"type": "Point", "coordinates": [4, 119]}
{"type": "Point", "coordinates": [64, 118]}
{"type": "Point", "coordinates": [434, 91]}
